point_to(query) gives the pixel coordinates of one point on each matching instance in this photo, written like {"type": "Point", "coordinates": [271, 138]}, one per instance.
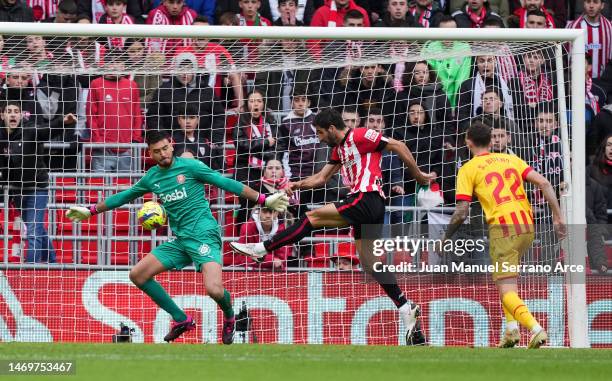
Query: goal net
{"type": "Point", "coordinates": [78, 102]}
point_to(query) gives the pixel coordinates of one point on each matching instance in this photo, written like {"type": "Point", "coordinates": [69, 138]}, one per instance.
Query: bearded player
{"type": "Point", "coordinates": [358, 153]}
{"type": "Point", "coordinates": [179, 183]}
{"type": "Point", "coordinates": [497, 180]}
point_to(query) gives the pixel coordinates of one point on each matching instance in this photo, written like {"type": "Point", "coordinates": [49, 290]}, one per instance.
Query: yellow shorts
{"type": "Point", "coordinates": [508, 251]}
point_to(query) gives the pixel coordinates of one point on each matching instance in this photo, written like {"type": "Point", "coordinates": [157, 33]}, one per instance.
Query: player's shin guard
{"type": "Point", "coordinates": [519, 310]}
{"type": "Point", "coordinates": [162, 299]}
{"type": "Point", "coordinates": [225, 303]}
{"type": "Point", "coordinates": [292, 234]}
{"type": "Point", "coordinates": [388, 282]}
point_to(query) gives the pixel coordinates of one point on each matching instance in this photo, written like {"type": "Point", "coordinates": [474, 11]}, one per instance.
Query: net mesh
{"type": "Point", "coordinates": [86, 104]}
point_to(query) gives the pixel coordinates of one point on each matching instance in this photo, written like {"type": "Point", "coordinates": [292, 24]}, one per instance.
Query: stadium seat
{"type": "Point", "coordinates": [91, 194]}
{"type": "Point", "coordinates": [62, 195]}
{"type": "Point", "coordinates": [119, 253]}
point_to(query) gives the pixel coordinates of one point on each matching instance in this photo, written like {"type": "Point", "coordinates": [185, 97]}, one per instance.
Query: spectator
{"type": "Point", "coordinates": [547, 154]}
{"type": "Point", "coordinates": [424, 139]}
{"type": "Point", "coordinates": [350, 117]}
{"type": "Point", "coordinates": [233, 7]}
{"type": "Point", "coordinates": [5, 62]}
{"type": "Point", "coordinates": [363, 87]}
{"type": "Point", "coordinates": [596, 219]}
{"type": "Point", "coordinates": [56, 110]}
{"type": "Point", "coordinates": [278, 86]}
{"type": "Point", "coordinates": [255, 139]}
{"type": "Point", "coordinates": [264, 223]}
{"type": "Point", "coordinates": [67, 11]}
{"type": "Point", "coordinates": [601, 170]}
{"type": "Point", "coordinates": [19, 89]}
{"type": "Point", "coordinates": [451, 72]}
{"type": "Point", "coordinates": [419, 83]}
{"type": "Point", "coordinates": [501, 138]}
{"type": "Point", "coordinates": [189, 139]}
{"type": "Point", "coordinates": [204, 8]}
{"type": "Point", "coordinates": [94, 9]}
{"type": "Point", "coordinates": [141, 62]}
{"type": "Point", "coordinates": [170, 12]}
{"type": "Point", "coordinates": [599, 34]}
{"type": "Point", "coordinates": [115, 14]}
{"type": "Point", "coordinates": [114, 116]}
{"type": "Point", "coordinates": [532, 87]}
{"type": "Point", "coordinates": [297, 138]}
{"type": "Point", "coordinates": [274, 180]}
{"type": "Point", "coordinates": [23, 167]}
{"type": "Point", "coordinates": [15, 11]}
{"type": "Point", "coordinates": [397, 15]}
{"type": "Point", "coordinates": [332, 13]}
{"type": "Point", "coordinates": [471, 91]}
{"type": "Point", "coordinates": [532, 14]}
{"type": "Point", "coordinates": [291, 12]}
{"type": "Point", "coordinates": [42, 9]}
{"type": "Point", "coordinates": [37, 54]}
{"type": "Point", "coordinates": [187, 87]}
{"type": "Point", "coordinates": [346, 262]}
{"type": "Point", "coordinates": [425, 12]}
{"type": "Point", "coordinates": [506, 66]}
{"type": "Point", "coordinates": [595, 96]}
{"type": "Point", "coordinates": [601, 123]}
{"type": "Point", "coordinates": [558, 8]}
{"type": "Point", "coordinates": [474, 13]}
{"type": "Point", "coordinates": [214, 57]}
{"type": "Point", "coordinates": [249, 16]}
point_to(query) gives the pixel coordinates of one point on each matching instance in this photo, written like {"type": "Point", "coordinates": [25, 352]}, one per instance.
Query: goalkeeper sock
{"type": "Point", "coordinates": [225, 303]}
{"type": "Point", "coordinates": [162, 299]}
{"type": "Point", "coordinates": [388, 282]}
{"type": "Point", "coordinates": [511, 323]}
{"type": "Point", "coordinates": [292, 234]}
{"type": "Point", "coordinates": [519, 310]}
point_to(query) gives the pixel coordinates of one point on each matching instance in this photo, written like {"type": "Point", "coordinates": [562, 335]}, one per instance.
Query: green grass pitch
{"type": "Point", "coordinates": [182, 362]}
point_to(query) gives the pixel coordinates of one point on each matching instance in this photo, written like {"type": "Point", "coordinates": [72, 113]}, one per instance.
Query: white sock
{"type": "Point", "coordinates": [406, 308]}
{"type": "Point", "coordinates": [536, 329]}
{"type": "Point", "coordinates": [260, 248]}
{"type": "Point", "coordinates": [512, 325]}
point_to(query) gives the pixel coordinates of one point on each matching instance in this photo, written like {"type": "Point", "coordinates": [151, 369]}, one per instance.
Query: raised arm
{"type": "Point", "coordinates": [318, 179]}
{"type": "Point", "coordinates": [401, 150]}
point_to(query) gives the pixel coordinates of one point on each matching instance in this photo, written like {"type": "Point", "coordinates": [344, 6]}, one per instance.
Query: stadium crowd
{"type": "Point", "coordinates": [266, 116]}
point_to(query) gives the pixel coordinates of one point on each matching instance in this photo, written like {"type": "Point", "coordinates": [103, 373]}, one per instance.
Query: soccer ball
{"type": "Point", "coordinates": [151, 216]}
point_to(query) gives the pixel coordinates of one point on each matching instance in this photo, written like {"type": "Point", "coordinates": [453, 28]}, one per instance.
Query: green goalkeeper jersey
{"type": "Point", "coordinates": [180, 189]}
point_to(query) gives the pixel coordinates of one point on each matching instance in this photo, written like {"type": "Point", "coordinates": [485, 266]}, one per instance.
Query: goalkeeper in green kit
{"type": "Point", "coordinates": [179, 184]}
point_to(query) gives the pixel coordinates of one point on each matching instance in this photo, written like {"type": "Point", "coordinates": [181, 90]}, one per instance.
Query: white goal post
{"type": "Point", "coordinates": [573, 201]}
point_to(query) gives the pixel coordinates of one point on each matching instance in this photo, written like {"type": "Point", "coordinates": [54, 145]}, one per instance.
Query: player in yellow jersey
{"type": "Point", "coordinates": [497, 180]}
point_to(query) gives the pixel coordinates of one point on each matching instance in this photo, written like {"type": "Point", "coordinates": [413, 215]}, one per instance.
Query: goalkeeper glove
{"type": "Point", "coordinates": [80, 213]}
{"type": "Point", "coordinates": [278, 201]}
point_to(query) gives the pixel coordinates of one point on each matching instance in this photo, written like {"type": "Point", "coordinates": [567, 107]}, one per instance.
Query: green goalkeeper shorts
{"type": "Point", "coordinates": [182, 251]}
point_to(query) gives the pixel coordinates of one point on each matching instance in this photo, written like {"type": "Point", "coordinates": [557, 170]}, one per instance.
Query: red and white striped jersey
{"type": "Point", "coordinates": [43, 9]}
{"type": "Point", "coordinates": [599, 41]}
{"type": "Point", "coordinates": [360, 153]}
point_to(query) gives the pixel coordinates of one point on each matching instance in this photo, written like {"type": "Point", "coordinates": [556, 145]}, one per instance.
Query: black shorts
{"type": "Point", "coordinates": [362, 209]}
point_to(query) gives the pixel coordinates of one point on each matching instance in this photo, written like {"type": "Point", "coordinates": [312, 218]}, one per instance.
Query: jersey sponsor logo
{"type": "Point", "coordinates": [371, 135]}
{"type": "Point", "coordinates": [204, 250]}
{"type": "Point", "coordinates": [176, 195]}
{"type": "Point", "coordinates": [180, 179]}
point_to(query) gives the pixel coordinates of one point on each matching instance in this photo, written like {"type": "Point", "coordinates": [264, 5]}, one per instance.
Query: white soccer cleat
{"type": "Point", "coordinates": [409, 313]}
{"type": "Point", "coordinates": [538, 339]}
{"type": "Point", "coordinates": [510, 339]}
{"type": "Point", "coordinates": [249, 250]}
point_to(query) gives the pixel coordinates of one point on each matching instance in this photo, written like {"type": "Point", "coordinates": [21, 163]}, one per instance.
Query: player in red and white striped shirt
{"type": "Point", "coordinates": [599, 34]}
{"type": "Point", "coordinates": [357, 152]}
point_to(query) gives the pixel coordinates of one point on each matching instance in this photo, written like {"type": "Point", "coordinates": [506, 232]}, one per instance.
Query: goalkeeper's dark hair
{"type": "Point", "coordinates": [154, 136]}
{"type": "Point", "coordinates": [479, 133]}
{"type": "Point", "coordinates": [328, 117]}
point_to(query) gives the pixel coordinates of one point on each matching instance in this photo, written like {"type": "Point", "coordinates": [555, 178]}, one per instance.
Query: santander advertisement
{"type": "Point", "coordinates": [296, 307]}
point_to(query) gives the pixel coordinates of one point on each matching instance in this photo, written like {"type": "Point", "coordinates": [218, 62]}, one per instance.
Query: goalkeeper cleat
{"type": "Point", "coordinates": [410, 316]}
{"type": "Point", "coordinates": [510, 339]}
{"type": "Point", "coordinates": [250, 250]}
{"type": "Point", "coordinates": [537, 340]}
{"type": "Point", "coordinates": [228, 330]}
{"type": "Point", "coordinates": [178, 328]}
{"type": "Point", "coordinates": [418, 336]}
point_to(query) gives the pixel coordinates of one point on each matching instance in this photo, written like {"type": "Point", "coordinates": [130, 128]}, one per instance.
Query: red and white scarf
{"type": "Point", "coordinates": [160, 17]}
{"type": "Point", "coordinates": [279, 185]}
{"type": "Point", "coordinates": [258, 130]}
{"type": "Point", "coordinates": [536, 91]}
{"type": "Point", "coordinates": [333, 14]}
{"type": "Point", "coordinates": [422, 17]}
{"type": "Point", "coordinates": [591, 99]}
{"type": "Point", "coordinates": [522, 15]}
{"type": "Point", "coordinates": [97, 10]}
{"type": "Point", "coordinates": [477, 19]}
{"type": "Point", "coordinates": [117, 42]}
